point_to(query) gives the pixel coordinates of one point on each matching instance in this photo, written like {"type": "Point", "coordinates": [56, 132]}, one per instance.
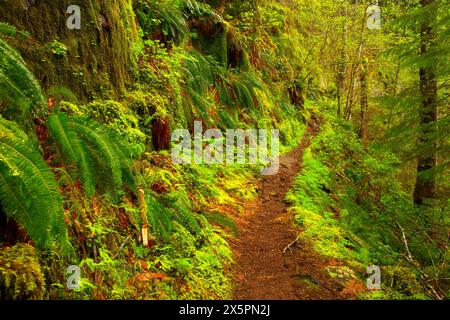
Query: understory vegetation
{"type": "Point", "coordinates": [86, 117]}
{"type": "Point", "coordinates": [354, 210]}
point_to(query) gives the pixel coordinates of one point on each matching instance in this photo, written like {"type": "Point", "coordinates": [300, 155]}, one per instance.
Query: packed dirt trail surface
{"type": "Point", "coordinates": [261, 269]}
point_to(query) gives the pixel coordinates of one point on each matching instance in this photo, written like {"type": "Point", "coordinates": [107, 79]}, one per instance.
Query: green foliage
{"type": "Point", "coordinates": [56, 48]}
{"type": "Point", "coordinates": [407, 135]}
{"type": "Point", "coordinates": [19, 89]}
{"type": "Point", "coordinates": [353, 208]}
{"type": "Point", "coordinates": [160, 219]}
{"type": "Point", "coordinates": [179, 202]}
{"type": "Point", "coordinates": [20, 274]}
{"type": "Point", "coordinates": [102, 157]}
{"type": "Point", "coordinates": [29, 193]}
{"type": "Point", "coordinates": [148, 106]}
{"type": "Point", "coordinates": [61, 93]}
{"type": "Point", "coordinates": [239, 89]}
{"type": "Point", "coordinates": [95, 143]}
{"type": "Point", "coordinates": [111, 269]}
{"type": "Point", "coordinates": [8, 30]}
{"type": "Point", "coordinates": [162, 16]}
{"type": "Point", "coordinates": [172, 207]}
{"type": "Point", "coordinates": [200, 264]}
{"type": "Point", "coordinates": [210, 84]}
{"type": "Point", "coordinates": [231, 64]}
{"type": "Point", "coordinates": [116, 116]}
{"type": "Point", "coordinates": [224, 221]}
{"type": "Point", "coordinates": [402, 284]}
{"type": "Point", "coordinates": [197, 9]}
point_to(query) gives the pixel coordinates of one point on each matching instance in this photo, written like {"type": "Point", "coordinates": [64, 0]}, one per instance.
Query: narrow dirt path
{"type": "Point", "coordinates": [266, 228]}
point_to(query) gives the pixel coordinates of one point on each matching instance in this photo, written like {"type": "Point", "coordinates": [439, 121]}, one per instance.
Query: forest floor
{"type": "Point", "coordinates": [266, 228]}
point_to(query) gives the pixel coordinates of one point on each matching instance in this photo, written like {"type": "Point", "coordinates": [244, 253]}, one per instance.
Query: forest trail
{"type": "Point", "coordinates": [266, 228]}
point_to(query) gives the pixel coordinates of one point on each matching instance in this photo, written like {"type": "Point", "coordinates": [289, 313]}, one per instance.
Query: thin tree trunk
{"type": "Point", "coordinates": [364, 131]}
{"type": "Point", "coordinates": [341, 71]}
{"type": "Point", "coordinates": [353, 79]}
{"type": "Point", "coordinates": [426, 186]}
{"type": "Point", "coordinates": [256, 15]}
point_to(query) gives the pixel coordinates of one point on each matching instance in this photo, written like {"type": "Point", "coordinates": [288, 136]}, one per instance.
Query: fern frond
{"type": "Point", "coordinates": [96, 135]}
{"type": "Point", "coordinates": [9, 30]}
{"type": "Point", "coordinates": [18, 86]}
{"type": "Point", "coordinates": [11, 51]}
{"type": "Point", "coordinates": [12, 126]}
{"type": "Point", "coordinates": [234, 89]}
{"type": "Point", "coordinates": [196, 9]}
{"type": "Point", "coordinates": [223, 220]}
{"type": "Point", "coordinates": [102, 157]}
{"type": "Point", "coordinates": [172, 23]}
{"type": "Point", "coordinates": [160, 218]}
{"type": "Point", "coordinates": [86, 171]}
{"type": "Point", "coordinates": [61, 130]}
{"type": "Point", "coordinates": [29, 193]}
{"type": "Point", "coordinates": [180, 204]}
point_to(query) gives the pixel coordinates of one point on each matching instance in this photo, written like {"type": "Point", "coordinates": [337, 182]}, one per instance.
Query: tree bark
{"type": "Point", "coordinates": [426, 186]}
{"type": "Point", "coordinates": [161, 133]}
{"type": "Point", "coordinates": [353, 71]}
{"type": "Point", "coordinates": [256, 15]}
{"type": "Point", "coordinates": [340, 76]}
{"type": "Point", "coordinates": [364, 131]}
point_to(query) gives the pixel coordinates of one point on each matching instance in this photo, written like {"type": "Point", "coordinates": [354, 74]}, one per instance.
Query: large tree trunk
{"type": "Point", "coordinates": [426, 186]}
{"type": "Point", "coordinates": [161, 134]}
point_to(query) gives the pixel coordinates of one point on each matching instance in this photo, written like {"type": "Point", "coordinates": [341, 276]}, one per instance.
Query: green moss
{"type": "Point", "coordinates": [20, 273]}
{"type": "Point", "coordinates": [398, 283]}
{"type": "Point", "coordinates": [350, 203]}
{"type": "Point", "coordinates": [205, 277]}
{"type": "Point", "coordinates": [99, 59]}
{"type": "Point", "coordinates": [327, 237]}
{"type": "Point", "coordinates": [112, 113]}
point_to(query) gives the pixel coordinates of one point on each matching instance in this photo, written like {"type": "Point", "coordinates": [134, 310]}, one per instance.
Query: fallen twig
{"type": "Point", "coordinates": [121, 246]}
{"type": "Point", "coordinates": [290, 245]}
{"type": "Point", "coordinates": [409, 257]}
{"type": "Point", "coordinates": [423, 276]}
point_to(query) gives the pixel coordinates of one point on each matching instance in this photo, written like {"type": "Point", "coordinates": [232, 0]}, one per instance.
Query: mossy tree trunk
{"type": "Point", "coordinates": [100, 58]}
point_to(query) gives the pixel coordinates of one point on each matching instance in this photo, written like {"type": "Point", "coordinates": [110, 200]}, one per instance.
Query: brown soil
{"type": "Point", "coordinates": [261, 269]}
